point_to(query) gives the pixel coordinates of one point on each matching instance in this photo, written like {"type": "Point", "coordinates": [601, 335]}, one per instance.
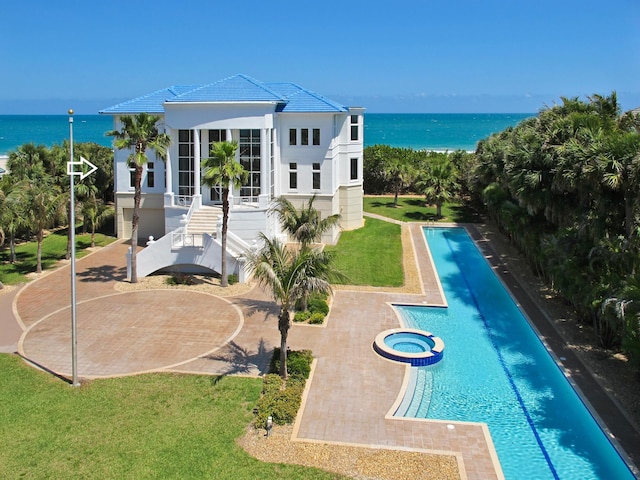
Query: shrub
{"type": "Point", "coordinates": [298, 363]}
{"type": "Point", "coordinates": [280, 399]}
{"type": "Point", "coordinates": [232, 279]}
{"type": "Point", "coordinates": [302, 316]}
{"type": "Point", "coordinates": [180, 279]}
{"type": "Point", "coordinates": [317, 318]}
{"type": "Point", "coordinates": [318, 305]}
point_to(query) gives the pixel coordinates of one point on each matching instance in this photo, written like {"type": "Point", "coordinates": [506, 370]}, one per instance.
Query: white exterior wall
{"type": "Point", "coordinates": [121, 170]}
{"type": "Point", "coordinates": [305, 155]}
{"type": "Point", "coordinates": [218, 116]}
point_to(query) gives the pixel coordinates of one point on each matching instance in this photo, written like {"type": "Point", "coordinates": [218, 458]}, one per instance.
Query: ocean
{"type": "Point", "coordinates": [428, 131]}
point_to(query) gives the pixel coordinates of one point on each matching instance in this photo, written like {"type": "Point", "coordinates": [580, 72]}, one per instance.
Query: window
{"type": "Point", "coordinates": [354, 128]}
{"type": "Point", "coordinates": [293, 134]}
{"type": "Point", "coordinates": [316, 136]}
{"type": "Point", "coordinates": [132, 177]}
{"type": "Point", "coordinates": [304, 136]}
{"type": "Point", "coordinates": [186, 172]}
{"type": "Point", "coordinates": [354, 169]}
{"type": "Point", "coordinates": [316, 176]}
{"type": "Point", "coordinates": [217, 136]}
{"type": "Point", "coordinates": [151, 177]}
{"type": "Point", "coordinates": [249, 147]}
{"type": "Point", "coordinates": [293, 176]}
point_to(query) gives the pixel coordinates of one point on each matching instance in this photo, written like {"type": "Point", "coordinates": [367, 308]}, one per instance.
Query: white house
{"type": "Point", "coordinates": [294, 143]}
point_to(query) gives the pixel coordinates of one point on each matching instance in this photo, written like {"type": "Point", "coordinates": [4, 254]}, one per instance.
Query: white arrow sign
{"type": "Point", "coordinates": [82, 173]}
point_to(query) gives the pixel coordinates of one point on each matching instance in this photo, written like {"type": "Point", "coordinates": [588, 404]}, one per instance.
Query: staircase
{"type": "Point", "coordinates": [205, 220]}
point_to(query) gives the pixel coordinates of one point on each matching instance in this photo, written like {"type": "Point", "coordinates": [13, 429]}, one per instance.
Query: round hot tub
{"type": "Point", "coordinates": [417, 347]}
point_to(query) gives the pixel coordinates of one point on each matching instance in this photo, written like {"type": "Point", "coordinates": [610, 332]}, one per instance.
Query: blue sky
{"type": "Point", "coordinates": [401, 56]}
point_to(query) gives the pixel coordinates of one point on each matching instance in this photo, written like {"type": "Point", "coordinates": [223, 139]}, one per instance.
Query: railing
{"type": "Point", "coordinates": [235, 244]}
{"type": "Point", "coordinates": [182, 239]}
{"type": "Point", "coordinates": [183, 200]}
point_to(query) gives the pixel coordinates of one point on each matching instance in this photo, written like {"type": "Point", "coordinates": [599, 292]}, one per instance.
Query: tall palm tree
{"type": "Point", "coordinates": [41, 205]}
{"type": "Point", "coordinates": [439, 182]}
{"type": "Point", "coordinates": [12, 219]}
{"type": "Point", "coordinates": [221, 168]}
{"type": "Point", "coordinates": [291, 275]}
{"type": "Point", "coordinates": [399, 173]}
{"type": "Point", "coordinates": [304, 225]}
{"type": "Point", "coordinates": [139, 133]}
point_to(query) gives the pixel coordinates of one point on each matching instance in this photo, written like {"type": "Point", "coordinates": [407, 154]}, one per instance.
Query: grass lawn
{"type": "Point", "coordinates": [413, 209]}
{"type": "Point", "coordinates": [371, 255]}
{"type": "Point", "coordinates": [54, 248]}
{"type": "Point", "coordinates": [148, 426]}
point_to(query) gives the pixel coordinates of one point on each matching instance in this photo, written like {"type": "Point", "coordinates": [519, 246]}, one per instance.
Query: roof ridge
{"type": "Point", "coordinates": [247, 78]}
{"type": "Point", "coordinates": [300, 89]}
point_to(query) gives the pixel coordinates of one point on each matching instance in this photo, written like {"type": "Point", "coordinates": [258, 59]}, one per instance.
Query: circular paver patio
{"type": "Point", "coordinates": [132, 332]}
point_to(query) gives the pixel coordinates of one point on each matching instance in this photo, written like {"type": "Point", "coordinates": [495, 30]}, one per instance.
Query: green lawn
{"type": "Point", "coordinates": [371, 255]}
{"type": "Point", "coordinates": [413, 209]}
{"type": "Point", "coordinates": [54, 248]}
{"type": "Point", "coordinates": [148, 426]}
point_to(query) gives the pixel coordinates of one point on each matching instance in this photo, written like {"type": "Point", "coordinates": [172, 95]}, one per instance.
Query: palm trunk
{"type": "Point", "coordinates": [283, 325]}
{"type": "Point", "coordinates": [134, 225]}
{"type": "Point", "coordinates": [39, 237]}
{"type": "Point", "coordinates": [224, 278]}
{"type": "Point", "coordinates": [12, 248]}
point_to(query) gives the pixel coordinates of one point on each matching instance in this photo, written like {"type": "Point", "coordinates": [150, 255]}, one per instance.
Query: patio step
{"type": "Point", "coordinates": [205, 220]}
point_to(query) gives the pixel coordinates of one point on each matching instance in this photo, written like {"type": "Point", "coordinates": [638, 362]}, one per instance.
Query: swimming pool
{"type": "Point", "coordinates": [497, 371]}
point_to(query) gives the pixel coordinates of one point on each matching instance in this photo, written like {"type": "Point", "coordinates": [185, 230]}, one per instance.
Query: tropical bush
{"type": "Point", "coordinates": [563, 187]}
{"type": "Point", "coordinates": [281, 398]}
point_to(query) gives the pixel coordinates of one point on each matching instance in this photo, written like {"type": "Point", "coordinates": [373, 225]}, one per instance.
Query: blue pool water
{"type": "Point", "coordinates": [409, 342]}
{"type": "Point", "coordinates": [498, 372]}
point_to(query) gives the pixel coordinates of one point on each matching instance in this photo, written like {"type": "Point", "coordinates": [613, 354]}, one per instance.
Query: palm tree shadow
{"type": "Point", "coordinates": [241, 361]}
{"type": "Point", "coordinates": [104, 273]}
{"type": "Point", "coordinates": [251, 306]}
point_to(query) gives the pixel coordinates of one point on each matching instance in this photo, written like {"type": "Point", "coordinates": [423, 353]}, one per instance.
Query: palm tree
{"type": "Point", "coordinates": [439, 182]}
{"type": "Point", "coordinates": [291, 275]}
{"type": "Point", "coordinates": [398, 173]}
{"type": "Point", "coordinates": [95, 212]}
{"type": "Point", "coordinates": [222, 169]}
{"type": "Point", "coordinates": [139, 133]}
{"type": "Point", "coordinates": [304, 225]}
{"type": "Point", "coordinates": [42, 204]}
{"type": "Point", "coordinates": [11, 216]}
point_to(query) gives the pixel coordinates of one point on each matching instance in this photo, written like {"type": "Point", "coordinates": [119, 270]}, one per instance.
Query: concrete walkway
{"type": "Point", "coordinates": [351, 393]}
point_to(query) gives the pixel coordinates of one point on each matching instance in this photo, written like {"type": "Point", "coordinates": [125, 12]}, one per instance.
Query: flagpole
{"type": "Point", "coordinates": [72, 226]}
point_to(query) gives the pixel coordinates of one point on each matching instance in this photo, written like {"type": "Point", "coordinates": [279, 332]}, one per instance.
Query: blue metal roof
{"type": "Point", "coordinates": [288, 97]}
{"type": "Point", "coordinates": [149, 103]}
{"type": "Point", "coordinates": [239, 88]}
{"type": "Point", "coordinates": [302, 100]}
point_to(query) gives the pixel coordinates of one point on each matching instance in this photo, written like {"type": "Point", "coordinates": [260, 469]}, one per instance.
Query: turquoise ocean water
{"type": "Point", "coordinates": [419, 131]}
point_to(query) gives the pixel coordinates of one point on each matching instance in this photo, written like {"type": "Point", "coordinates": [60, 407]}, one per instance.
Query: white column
{"type": "Point", "coordinates": [197, 189]}
{"type": "Point", "coordinates": [168, 180]}
{"type": "Point", "coordinates": [263, 198]}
